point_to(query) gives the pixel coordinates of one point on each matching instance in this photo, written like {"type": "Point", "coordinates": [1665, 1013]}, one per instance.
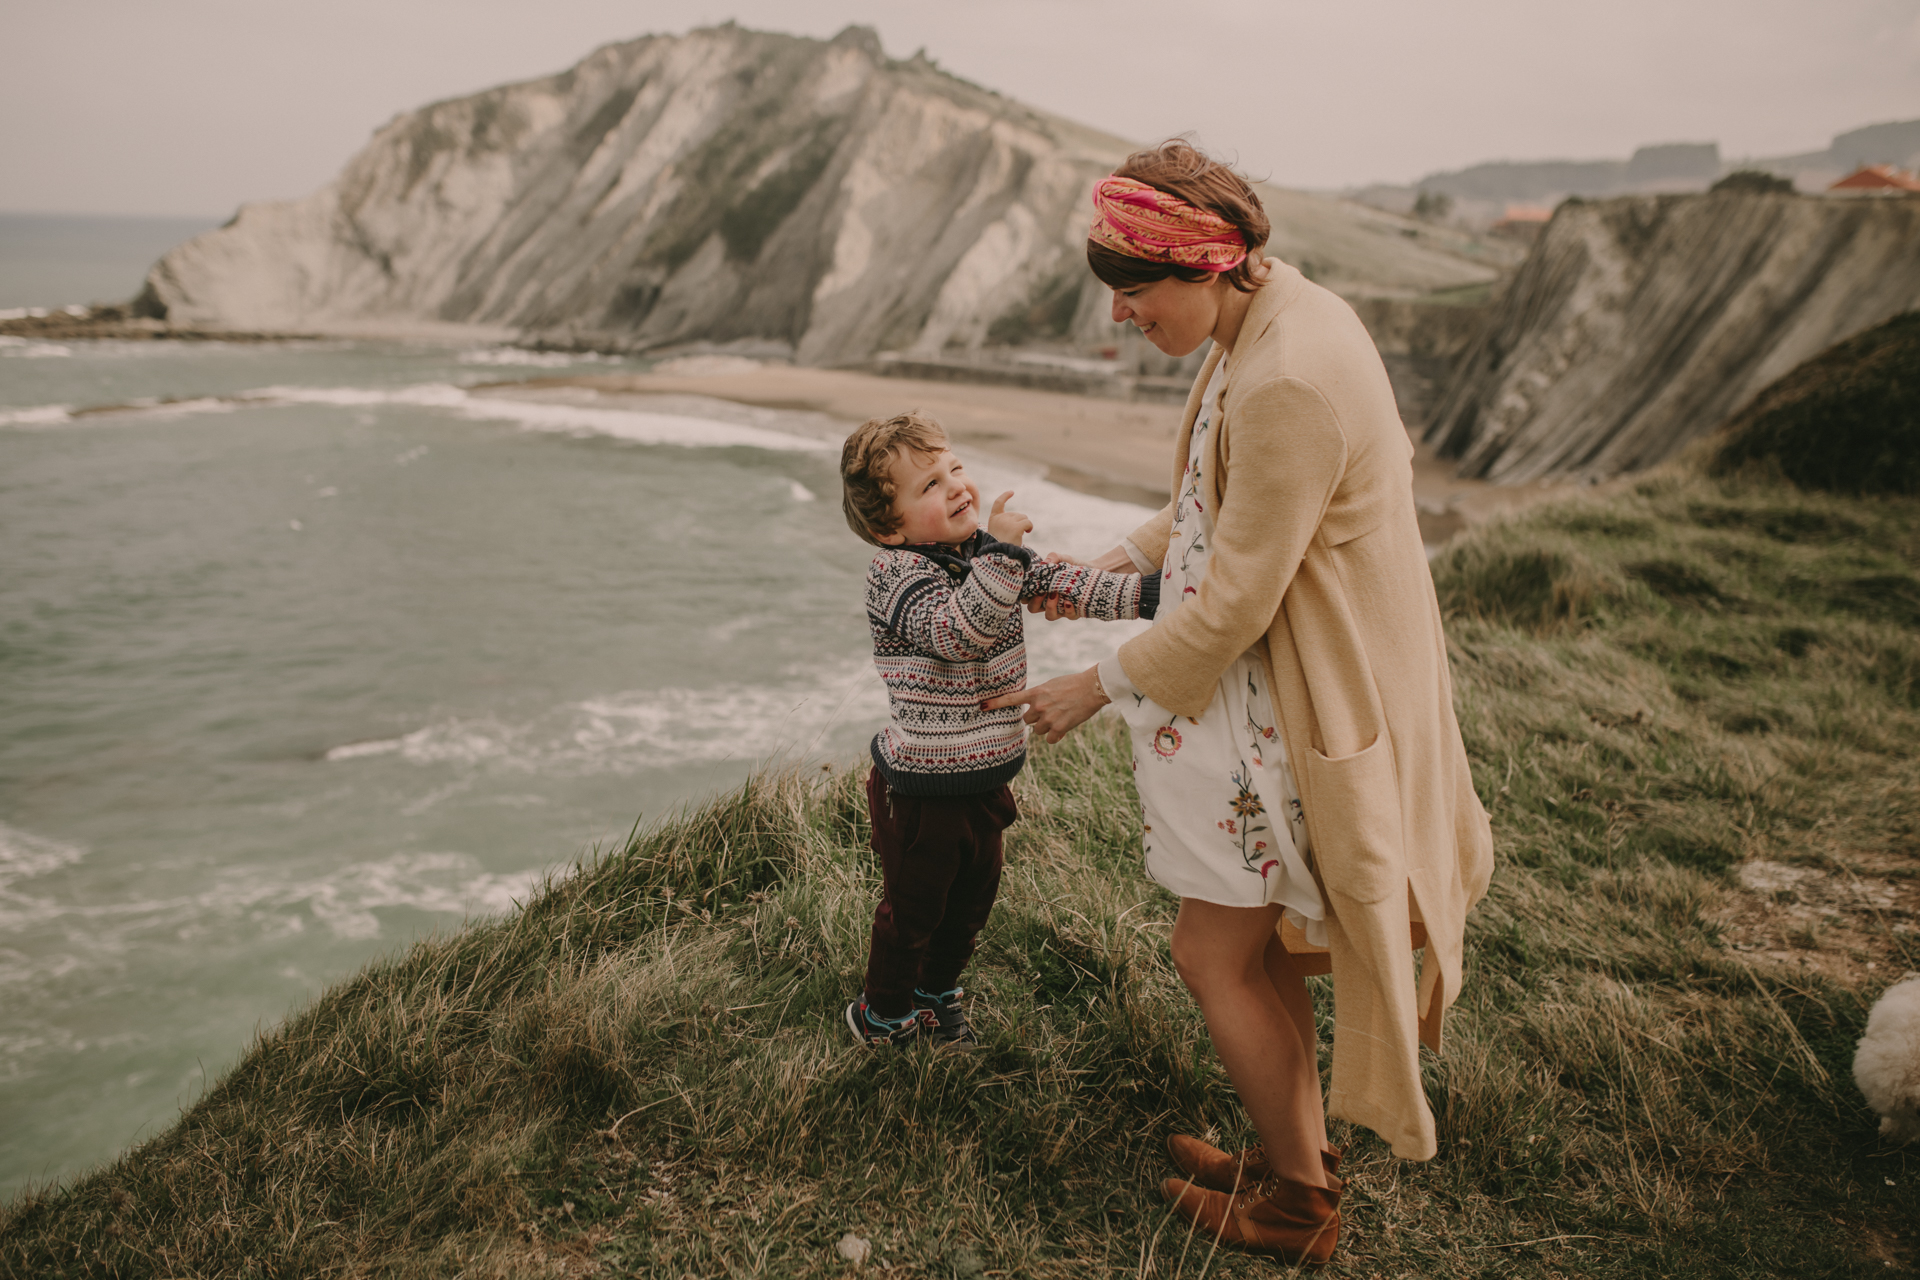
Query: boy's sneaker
{"type": "Point", "coordinates": [950, 1025]}
{"type": "Point", "coordinates": [869, 1028]}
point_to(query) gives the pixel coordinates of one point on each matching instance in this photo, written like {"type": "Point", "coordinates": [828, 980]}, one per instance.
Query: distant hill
{"type": "Point", "coordinates": [1479, 193]}
{"type": "Point", "coordinates": [1684, 164]}
{"type": "Point", "coordinates": [776, 194]}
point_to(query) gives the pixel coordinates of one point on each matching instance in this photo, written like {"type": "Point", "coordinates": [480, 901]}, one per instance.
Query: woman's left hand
{"type": "Point", "coordinates": [1060, 705]}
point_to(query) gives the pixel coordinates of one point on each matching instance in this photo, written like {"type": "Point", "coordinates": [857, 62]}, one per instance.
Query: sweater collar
{"type": "Point", "coordinates": [951, 557]}
{"type": "Point", "coordinates": [956, 559]}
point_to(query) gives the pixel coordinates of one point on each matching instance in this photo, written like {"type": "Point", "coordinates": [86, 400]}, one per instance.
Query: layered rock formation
{"type": "Point", "coordinates": [803, 197]}
{"type": "Point", "coordinates": [1641, 322]}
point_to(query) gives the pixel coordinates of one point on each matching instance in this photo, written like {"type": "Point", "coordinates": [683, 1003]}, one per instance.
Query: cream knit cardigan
{"type": "Point", "coordinates": [1317, 560]}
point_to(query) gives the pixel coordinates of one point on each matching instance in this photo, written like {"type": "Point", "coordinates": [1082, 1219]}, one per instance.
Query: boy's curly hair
{"type": "Point", "coordinates": [866, 469]}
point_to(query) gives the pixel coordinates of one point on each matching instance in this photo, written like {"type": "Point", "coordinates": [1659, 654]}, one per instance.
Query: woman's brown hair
{"type": "Point", "coordinates": [1181, 169]}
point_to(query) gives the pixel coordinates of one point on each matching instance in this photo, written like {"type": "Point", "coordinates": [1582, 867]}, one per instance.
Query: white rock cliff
{"type": "Point", "coordinates": [1640, 323]}
{"type": "Point", "coordinates": [793, 196]}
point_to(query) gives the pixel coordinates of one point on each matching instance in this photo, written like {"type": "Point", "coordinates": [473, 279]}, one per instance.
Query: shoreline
{"type": "Point", "coordinates": [1104, 447]}
{"type": "Point", "coordinates": [1094, 444]}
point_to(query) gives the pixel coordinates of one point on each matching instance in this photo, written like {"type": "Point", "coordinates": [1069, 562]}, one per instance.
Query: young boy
{"type": "Point", "coordinates": [943, 598]}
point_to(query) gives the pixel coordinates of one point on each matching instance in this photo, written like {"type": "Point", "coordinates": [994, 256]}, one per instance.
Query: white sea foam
{"type": "Point", "coordinates": [343, 901]}
{"type": "Point", "coordinates": [38, 415]}
{"type": "Point", "coordinates": [635, 425]}
{"type": "Point", "coordinates": [520, 357]}
{"type": "Point", "coordinates": [824, 711]}
{"type": "Point", "coordinates": [634, 731]}
{"type": "Point", "coordinates": [638, 426]}
{"type": "Point", "coordinates": [22, 349]}
{"type": "Point", "coordinates": [24, 855]}
{"type": "Point", "coordinates": [449, 883]}
{"type": "Point", "coordinates": [359, 750]}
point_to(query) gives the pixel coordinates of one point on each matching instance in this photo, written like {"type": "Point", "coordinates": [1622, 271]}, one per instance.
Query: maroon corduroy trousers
{"type": "Point", "coordinates": [940, 866]}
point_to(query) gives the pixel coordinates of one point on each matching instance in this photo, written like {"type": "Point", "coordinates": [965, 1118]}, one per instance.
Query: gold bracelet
{"type": "Point", "coordinates": [1099, 688]}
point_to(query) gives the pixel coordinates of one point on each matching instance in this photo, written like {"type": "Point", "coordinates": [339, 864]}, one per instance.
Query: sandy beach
{"type": "Point", "coordinates": [1112, 448]}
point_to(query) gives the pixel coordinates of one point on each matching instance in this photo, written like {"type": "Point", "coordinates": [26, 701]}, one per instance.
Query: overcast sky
{"type": "Point", "coordinates": [193, 106]}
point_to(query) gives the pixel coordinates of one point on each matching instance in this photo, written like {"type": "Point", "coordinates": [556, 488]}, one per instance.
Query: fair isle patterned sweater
{"type": "Point", "coordinates": [947, 637]}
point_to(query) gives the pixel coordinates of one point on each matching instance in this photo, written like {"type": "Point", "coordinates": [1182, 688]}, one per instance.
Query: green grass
{"type": "Point", "coordinates": [643, 1072]}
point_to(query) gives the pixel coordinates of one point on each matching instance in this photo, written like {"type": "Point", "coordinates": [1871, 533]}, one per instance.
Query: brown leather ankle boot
{"type": "Point", "coordinates": [1215, 1169]}
{"type": "Point", "coordinates": [1285, 1219]}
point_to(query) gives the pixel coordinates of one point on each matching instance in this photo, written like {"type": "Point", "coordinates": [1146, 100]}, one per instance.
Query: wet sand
{"type": "Point", "coordinates": [1112, 448]}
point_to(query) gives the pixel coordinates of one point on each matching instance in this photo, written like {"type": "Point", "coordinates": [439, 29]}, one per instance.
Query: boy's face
{"type": "Point", "coordinates": [933, 500]}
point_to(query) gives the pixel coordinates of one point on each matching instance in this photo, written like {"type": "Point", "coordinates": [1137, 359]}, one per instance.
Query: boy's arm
{"type": "Point", "coordinates": [953, 619]}
{"type": "Point", "coordinates": [1095, 593]}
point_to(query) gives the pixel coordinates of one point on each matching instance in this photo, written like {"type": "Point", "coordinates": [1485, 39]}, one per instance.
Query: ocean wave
{"type": "Point", "coordinates": [39, 415]}
{"type": "Point", "coordinates": [24, 855]}
{"type": "Point", "coordinates": [634, 731]}
{"type": "Point", "coordinates": [637, 426]}
{"type": "Point", "coordinates": [806, 715]}
{"type": "Point", "coordinates": [343, 901]}
{"type": "Point", "coordinates": [520, 357]}
{"type": "Point", "coordinates": [23, 349]}
{"type": "Point", "coordinates": [442, 883]}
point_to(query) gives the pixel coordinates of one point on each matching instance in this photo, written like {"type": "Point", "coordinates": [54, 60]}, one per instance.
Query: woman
{"type": "Point", "coordinates": [1304, 787]}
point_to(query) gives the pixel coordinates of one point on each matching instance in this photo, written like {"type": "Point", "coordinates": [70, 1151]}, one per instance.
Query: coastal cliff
{"type": "Point", "coordinates": [1639, 323]}
{"type": "Point", "coordinates": [783, 196]}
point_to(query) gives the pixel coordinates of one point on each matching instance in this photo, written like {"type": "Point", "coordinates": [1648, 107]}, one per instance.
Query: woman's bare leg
{"type": "Point", "coordinates": [1221, 955]}
{"type": "Point", "coordinates": [1284, 972]}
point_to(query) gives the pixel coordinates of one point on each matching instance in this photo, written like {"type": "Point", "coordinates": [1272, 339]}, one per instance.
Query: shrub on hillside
{"type": "Point", "coordinates": [1529, 588]}
{"type": "Point", "coordinates": [1847, 420]}
{"type": "Point", "coordinates": [1756, 181]}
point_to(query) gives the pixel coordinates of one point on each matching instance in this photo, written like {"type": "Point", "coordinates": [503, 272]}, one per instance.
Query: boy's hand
{"type": "Point", "coordinates": [1007, 526]}
{"type": "Point", "coordinates": [1053, 606]}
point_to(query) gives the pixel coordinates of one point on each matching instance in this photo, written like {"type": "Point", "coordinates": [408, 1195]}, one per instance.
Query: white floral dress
{"type": "Point", "coordinates": [1219, 805]}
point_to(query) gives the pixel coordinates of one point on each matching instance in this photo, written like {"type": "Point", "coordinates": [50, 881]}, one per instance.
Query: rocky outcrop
{"type": "Point", "coordinates": [1640, 323]}
{"type": "Point", "coordinates": [784, 195]}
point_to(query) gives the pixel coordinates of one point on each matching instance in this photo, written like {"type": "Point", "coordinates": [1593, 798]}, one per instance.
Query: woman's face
{"type": "Point", "coordinates": [1174, 315]}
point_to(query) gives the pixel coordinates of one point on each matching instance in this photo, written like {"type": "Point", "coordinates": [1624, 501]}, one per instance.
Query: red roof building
{"type": "Point", "coordinates": [1524, 221]}
{"type": "Point", "coordinates": [1877, 178]}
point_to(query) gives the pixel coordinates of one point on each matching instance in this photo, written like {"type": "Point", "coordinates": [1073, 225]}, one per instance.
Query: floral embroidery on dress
{"type": "Point", "coordinates": [1258, 735]}
{"type": "Point", "coordinates": [1247, 806]}
{"type": "Point", "coordinates": [1210, 796]}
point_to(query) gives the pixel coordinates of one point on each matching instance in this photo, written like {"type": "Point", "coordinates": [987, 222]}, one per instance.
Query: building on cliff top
{"type": "Point", "coordinates": [1877, 179]}
{"type": "Point", "coordinates": [1522, 221]}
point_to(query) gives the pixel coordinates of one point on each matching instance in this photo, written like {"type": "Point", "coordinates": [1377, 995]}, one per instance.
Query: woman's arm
{"type": "Point", "coordinates": [1151, 539]}
{"type": "Point", "coordinates": [1287, 454]}
{"type": "Point", "coordinates": [1060, 704]}
{"type": "Point", "coordinates": [1114, 561]}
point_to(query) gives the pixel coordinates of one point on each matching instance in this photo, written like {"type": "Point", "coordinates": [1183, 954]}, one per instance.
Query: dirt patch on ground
{"type": "Point", "coordinates": [1858, 924]}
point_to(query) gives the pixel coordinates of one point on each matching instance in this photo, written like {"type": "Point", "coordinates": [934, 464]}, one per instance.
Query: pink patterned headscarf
{"type": "Point", "coordinates": [1141, 221]}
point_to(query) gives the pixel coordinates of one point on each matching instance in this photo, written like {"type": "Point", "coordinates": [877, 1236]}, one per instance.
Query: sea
{"type": "Point", "coordinates": [311, 650]}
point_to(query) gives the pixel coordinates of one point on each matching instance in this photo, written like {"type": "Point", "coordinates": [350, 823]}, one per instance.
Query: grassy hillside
{"type": "Point", "coordinates": [1846, 421]}
{"type": "Point", "coordinates": [1693, 712]}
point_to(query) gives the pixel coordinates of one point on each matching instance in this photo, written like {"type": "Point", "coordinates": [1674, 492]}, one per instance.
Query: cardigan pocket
{"type": "Point", "coordinates": [1356, 841]}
